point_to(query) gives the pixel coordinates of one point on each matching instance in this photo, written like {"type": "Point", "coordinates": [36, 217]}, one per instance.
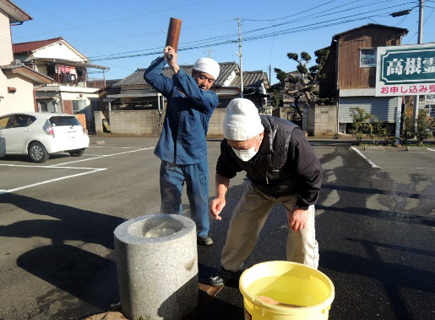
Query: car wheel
{"type": "Point", "coordinates": [38, 153]}
{"type": "Point", "coordinates": [77, 153]}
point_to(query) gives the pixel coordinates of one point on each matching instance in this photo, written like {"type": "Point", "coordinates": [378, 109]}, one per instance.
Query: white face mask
{"type": "Point", "coordinates": [246, 155]}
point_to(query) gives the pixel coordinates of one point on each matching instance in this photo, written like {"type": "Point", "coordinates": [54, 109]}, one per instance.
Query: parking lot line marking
{"type": "Point", "coordinates": [52, 180]}
{"type": "Point", "coordinates": [103, 156]}
{"type": "Point", "coordinates": [108, 147]}
{"type": "Point", "coordinates": [364, 157]}
{"type": "Point", "coordinates": [47, 167]}
{"type": "Point", "coordinates": [62, 166]}
{"type": "Point", "coordinates": [430, 149]}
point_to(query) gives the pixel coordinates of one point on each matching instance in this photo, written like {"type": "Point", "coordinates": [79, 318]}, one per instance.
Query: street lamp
{"type": "Point", "coordinates": [401, 13]}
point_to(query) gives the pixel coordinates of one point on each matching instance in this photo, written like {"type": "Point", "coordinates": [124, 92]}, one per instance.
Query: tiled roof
{"type": "Point", "coordinates": [27, 72]}
{"type": "Point", "coordinates": [226, 70]}
{"type": "Point", "coordinates": [33, 45]}
{"type": "Point", "coordinates": [250, 79]}
{"type": "Point", "coordinates": [399, 30]}
{"type": "Point", "coordinates": [15, 13]}
{"type": "Point", "coordinates": [137, 78]}
{"type": "Point", "coordinates": [134, 79]}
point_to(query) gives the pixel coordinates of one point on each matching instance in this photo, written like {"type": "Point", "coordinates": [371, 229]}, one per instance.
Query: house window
{"type": "Point", "coordinates": [79, 105]}
{"type": "Point", "coordinates": [367, 58]}
{"type": "Point", "coordinates": [47, 106]}
{"type": "Point", "coordinates": [53, 106]}
{"type": "Point", "coordinates": [94, 105]}
{"type": "Point", "coordinates": [43, 106]}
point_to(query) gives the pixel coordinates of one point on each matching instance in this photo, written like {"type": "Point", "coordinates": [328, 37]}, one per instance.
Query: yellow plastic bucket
{"type": "Point", "coordinates": [287, 283]}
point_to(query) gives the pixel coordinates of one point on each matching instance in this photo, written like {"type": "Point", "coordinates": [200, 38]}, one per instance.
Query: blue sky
{"type": "Point", "coordinates": [129, 34]}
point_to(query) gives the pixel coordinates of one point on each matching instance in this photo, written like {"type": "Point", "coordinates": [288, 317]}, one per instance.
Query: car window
{"type": "Point", "coordinates": [4, 121]}
{"type": "Point", "coordinates": [64, 121]}
{"type": "Point", "coordinates": [22, 120]}
{"type": "Point", "coordinates": [31, 120]}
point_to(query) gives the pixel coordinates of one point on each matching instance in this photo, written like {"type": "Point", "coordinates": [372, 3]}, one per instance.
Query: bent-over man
{"type": "Point", "coordinates": [282, 168]}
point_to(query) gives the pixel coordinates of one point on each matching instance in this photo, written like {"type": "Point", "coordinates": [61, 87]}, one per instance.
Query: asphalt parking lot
{"type": "Point", "coordinates": [375, 226]}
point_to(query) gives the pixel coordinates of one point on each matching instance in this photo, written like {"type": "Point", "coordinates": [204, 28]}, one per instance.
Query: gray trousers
{"type": "Point", "coordinates": [249, 218]}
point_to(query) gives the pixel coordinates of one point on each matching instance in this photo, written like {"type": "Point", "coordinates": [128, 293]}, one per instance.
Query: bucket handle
{"type": "Point", "coordinates": [326, 310]}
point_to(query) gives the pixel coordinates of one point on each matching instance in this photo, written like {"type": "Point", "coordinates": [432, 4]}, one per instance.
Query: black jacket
{"type": "Point", "coordinates": [285, 163]}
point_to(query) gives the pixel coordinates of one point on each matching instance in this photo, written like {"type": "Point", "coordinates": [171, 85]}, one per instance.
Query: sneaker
{"type": "Point", "coordinates": [204, 241]}
{"type": "Point", "coordinates": [223, 276]}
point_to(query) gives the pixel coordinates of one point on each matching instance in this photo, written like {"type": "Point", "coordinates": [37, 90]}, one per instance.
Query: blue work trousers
{"type": "Point", "coordinates": [172, 179]}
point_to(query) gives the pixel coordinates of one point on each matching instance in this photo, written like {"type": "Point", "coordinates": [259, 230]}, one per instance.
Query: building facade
{"type": "Point", "coordinates": [351, 73]}
{"type": "Point", "coordinates": [72, 90]}
{"type": "Point", "coordinates": [16, 79]}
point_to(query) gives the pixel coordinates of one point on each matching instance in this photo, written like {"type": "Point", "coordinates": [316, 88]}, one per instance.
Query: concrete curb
{"type": "Point", "coordinates": [416, 148]}
{"type": "Point", "coordinates": [379, 148]}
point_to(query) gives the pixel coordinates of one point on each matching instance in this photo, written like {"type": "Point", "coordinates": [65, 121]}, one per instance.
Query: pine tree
{"type": "Point", "coordinates": [302, 89]}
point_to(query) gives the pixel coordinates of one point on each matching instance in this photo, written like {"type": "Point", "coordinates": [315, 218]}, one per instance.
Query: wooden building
{"type": "Point", "coordinates": [351, 72]}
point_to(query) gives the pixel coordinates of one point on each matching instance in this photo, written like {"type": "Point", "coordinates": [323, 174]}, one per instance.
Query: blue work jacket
{"type": "Point", "coordinates": [188, 112]}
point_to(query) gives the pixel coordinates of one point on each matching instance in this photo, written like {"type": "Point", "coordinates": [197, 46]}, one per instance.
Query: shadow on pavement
{"type": "Point", "coordinates": [81, 273]}
{"type": "Point", "coordinates": [385, 215]}
{"type": "Point", "coordinates": [390, 277]}
{"type": "Point", "coordinates": [70, 224]}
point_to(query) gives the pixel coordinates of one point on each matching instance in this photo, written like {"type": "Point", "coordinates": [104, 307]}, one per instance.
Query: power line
{"type": "Point", "coordinates": [124, 18]}
{"type": "Point", "coordinates": [322, 14]}
{"type": "Point", "coordinates": [209, 41]}
{"type": "Point", "coordinates": [433, 9]}
{"type": "Point", "coordinates": [225, 36]}
{"type": "Point", "coordinates": [272, 20]}
{"type": "Point", "coordinates": [152, 33]}
{"type": "Point", "coordinates": [231, 38]}
{"type": "Point", "coordinates": [221, 39]}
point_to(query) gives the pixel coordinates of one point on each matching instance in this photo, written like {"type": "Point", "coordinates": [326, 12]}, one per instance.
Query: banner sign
{"type": "Point", "coordinates": [405, 70]}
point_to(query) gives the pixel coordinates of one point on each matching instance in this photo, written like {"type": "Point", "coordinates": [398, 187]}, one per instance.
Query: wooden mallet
{"type": "Point", "coordinates": [173, 34]}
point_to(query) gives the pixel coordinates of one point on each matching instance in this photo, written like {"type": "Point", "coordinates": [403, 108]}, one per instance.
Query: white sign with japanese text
{"type": "Point", "coordinates": [405, 70]}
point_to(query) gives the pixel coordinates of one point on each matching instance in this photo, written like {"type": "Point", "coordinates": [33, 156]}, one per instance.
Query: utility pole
{"type": "Point", "coordinates": [416, 98]}
{"type": "Point", "coordinates": [209, 53]}
{"type": "Point", "coordinates": [241, 60]}
{"type": "Point", "coordinates": [420, 22]}
{"type": "Point", "coordinates": [420, 41]}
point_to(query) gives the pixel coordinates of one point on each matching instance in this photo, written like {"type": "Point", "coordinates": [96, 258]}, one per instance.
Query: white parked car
{"type": "Point", "coordinates": [40, 134]}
